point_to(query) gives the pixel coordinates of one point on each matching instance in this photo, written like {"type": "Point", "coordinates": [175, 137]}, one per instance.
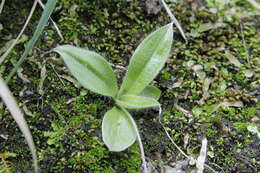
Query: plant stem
{"type": "Point", "coordinates": [138, 139]}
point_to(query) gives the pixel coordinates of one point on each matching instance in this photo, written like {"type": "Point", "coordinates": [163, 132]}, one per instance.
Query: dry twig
{"type": "Point", "coordinates": [181, 151]}
{"type": "Point", "coordinates": [174, 20]}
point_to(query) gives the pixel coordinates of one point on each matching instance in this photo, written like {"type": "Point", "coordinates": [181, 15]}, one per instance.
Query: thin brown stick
{"type": "Point", "coordinates": [184, 111]}
{"type": "Point", "coordinates": [118, 67]}
{"type": "Point", "coordinates": [56, 73]}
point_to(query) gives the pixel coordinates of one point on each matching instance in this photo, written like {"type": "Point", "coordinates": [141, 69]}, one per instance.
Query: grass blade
{"type": "Point", "coordinates": [2, 58]}
{"type": "Point", "coordinates": [54, 23]}
{"type": "Point", "coordinates": [44, 18]}
{"type": "Point", "coordinates": [2, 6]}
{"type": "Point", "coordinates": [11, 104]}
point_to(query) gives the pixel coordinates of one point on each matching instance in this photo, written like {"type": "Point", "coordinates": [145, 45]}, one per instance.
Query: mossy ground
{"type": "Point", "coordinates": [65, 119]}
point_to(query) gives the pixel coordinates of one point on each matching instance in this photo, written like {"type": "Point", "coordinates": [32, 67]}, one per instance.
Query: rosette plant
{"type": "Point", "coordinates": [93, 72]}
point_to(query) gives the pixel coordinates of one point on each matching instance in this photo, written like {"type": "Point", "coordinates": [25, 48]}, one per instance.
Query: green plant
{"type": "Point", "coordinates": [50, 5]}
{"type": "Point", "coordinates": [6, 94]}
{"type": "Point", "coordinates": [119, 130]}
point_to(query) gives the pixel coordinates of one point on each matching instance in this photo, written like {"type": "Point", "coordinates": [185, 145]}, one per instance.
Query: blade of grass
{"type": "Point", "coordinates": [44, 18]}
{"type": "Point", "coordinates": [2, 58]}
{"type": "Point", "coordinates": [16, 113]}
{"type": "Point", "coordinates": [2, 6]}
{"type": "Point", "coordinates": [174, 20]}
{"type": "Point", "coordinates": [54, 23]}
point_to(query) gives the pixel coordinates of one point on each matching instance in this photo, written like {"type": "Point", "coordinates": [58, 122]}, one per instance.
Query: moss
{"type": "Point", "coordinates": [66, 118]}
{"type": "Point", "coordinates": [130, 163]}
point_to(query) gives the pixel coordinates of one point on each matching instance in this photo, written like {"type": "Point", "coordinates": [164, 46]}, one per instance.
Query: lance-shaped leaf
{"type": "Point", "coordinates": [148, 59]}
{"type": "Point", "coordinates": [151, 91]}
{"type": "Point", "coordinates": [136, 102]}
{"type": "Point", "coordinates": [118, 132]}
{"type": "Point", "coordinates": [90, 69]}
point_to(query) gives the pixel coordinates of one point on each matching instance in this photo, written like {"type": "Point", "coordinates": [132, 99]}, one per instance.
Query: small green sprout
{"type": "Point", "coordinates": [119, 130]}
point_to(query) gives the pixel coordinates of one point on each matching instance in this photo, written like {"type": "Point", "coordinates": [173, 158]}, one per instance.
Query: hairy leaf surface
{"type": "Point", "coordinates": [90, 69]}
{"type": "Point", "coordinates": [151, 91]}
{"type": "Point", "coordinates": [118, 132]}
{"type": "Point", "coordinates": [148, 59]}
{"type": "Point", "coordinates": [136, 102]}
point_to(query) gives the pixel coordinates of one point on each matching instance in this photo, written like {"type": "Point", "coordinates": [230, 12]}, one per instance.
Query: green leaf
{"type": "Point", "coordinates": [49, 7]}
{"type": "Point", "coordinates": [118, 131]}
{"type": "Point", "coordinates": [148, 59]}
{"type": "Point", "coordinates": [90, 69]}
{"type": "Point", "coordinates": [151, 91]}
{"type": "Point", "coordinates": [136, 102]}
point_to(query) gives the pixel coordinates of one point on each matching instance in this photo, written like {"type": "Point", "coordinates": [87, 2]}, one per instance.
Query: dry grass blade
{"type": "Point", "coordinates": [202, 157]}
{"type": "Point", "coordinates": [174, 20]}
{"type": "Point", "coordinates": [2, 58]}
{"type": "Point", "coordinates": [2, 6]}
{"type": "Point", "coordinates": [18, 116]}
